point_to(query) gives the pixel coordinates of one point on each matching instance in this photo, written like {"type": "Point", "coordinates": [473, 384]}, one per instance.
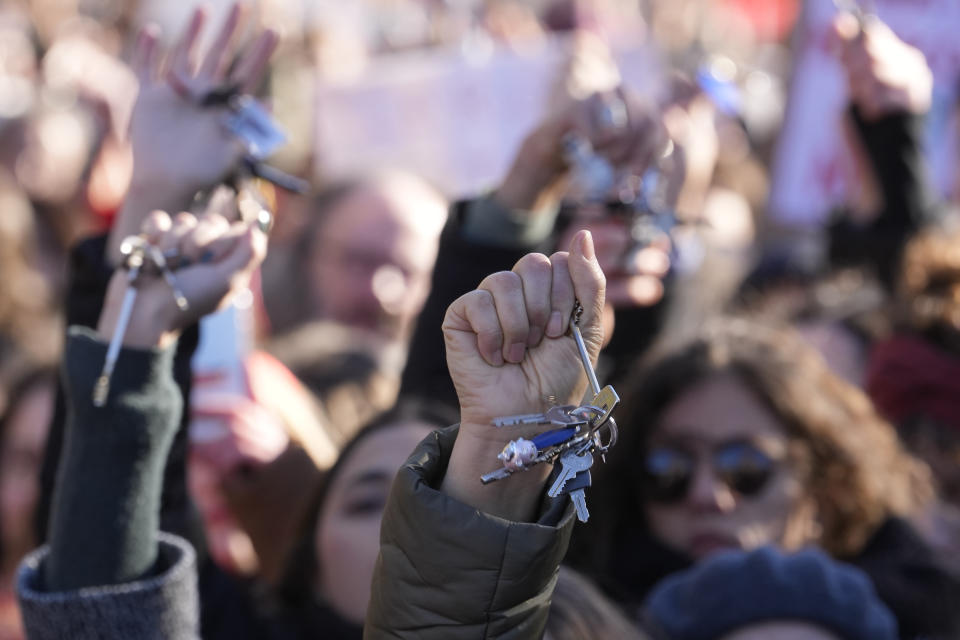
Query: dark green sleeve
{"type": "Point", "coordinates": [106, 506]}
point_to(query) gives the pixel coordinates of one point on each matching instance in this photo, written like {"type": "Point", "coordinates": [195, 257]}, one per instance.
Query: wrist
{"type": "Point", "coordinates": [143, 196]}
{"type": "Point", "coordinates": [149, 326]}
{"type": "Point", "coordinates": [475, 453]}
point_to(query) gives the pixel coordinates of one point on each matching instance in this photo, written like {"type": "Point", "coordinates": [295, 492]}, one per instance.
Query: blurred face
{"type": "Point", "coordinates": [634, 271]}
{"type": "Point", "coordinates": [718, 475]}
{"type": "Point", "coordinates": [22, 453]}
{"type": "Point", "coordinates": [348, 530]}
{"type": "Point", "coordinates": [371, 263]}
{"type": "Point", "coordinates": [781, 631]}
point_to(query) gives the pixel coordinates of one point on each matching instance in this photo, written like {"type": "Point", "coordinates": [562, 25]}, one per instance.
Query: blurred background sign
{"type": "Point", "coordinates": [814, 169]}
{"type": "Point", "coordinates": [455, 116]}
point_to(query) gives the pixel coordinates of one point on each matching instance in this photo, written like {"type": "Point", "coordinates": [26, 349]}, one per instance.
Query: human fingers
{"type": "Point", "coordinates": [217, 59]}
{"type": "Point", "coordinates": [647, 261]}
{"type": "Point", "coordinates": [144, 61]}
{"type": "Point", "coordinates": [845, 34]}
{"type": "Point", "coordinates": [627, 128]}
{"type": "Point", "coordinates": [506, 289]}
{"type": "Point", "coordinates": [251, 428]}
{"type": "Point", "coordinates": [653, 146]}
{"type": "Point", "coordinates": [634, 291]}
{"type": "Point", "coordinates": [562, 296]}
{"type": "Point", "coordinates": [536, 275]}
{"type": "Point", "coordinates": [246, 254]}
{"type": "Point", "coordinates": [182, 225]}
{"type": "Point", "coordinates": [589, 283]}
{"type": "Point", "coordinates": [475, 312]}
{"type": "Point", "coordinates": [195, 247]}
{"type": "Point", "coordinates": [249, 71]}
{"type": "Point", "coordinates": [184, 53]}
{"type": "Point", "coordinates": [155, 225]}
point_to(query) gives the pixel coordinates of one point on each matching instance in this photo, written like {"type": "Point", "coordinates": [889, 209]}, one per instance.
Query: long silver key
{"type": "Point", "coordinates": [584, 356]}
{"type": "Point", "coordinates": [604, 399]}
{"type": "Point", "coordinates": [102, 388]}
{"type": "Point", "coordinates": [571, 464]}
{"type": "Point", "coordinates": [557, 416]}
{"type": "Point", "coordinates": [493, 476]}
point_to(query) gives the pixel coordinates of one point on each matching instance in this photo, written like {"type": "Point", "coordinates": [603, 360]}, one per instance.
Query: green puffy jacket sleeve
{"type": "Point", "coordinates": [447, 570]}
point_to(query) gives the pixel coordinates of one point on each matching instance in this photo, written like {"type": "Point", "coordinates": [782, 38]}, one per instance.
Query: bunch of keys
{"type": "Point", "coordinates": [574, 440]}
{"type": "Point", "coordinates": [259, 133]}
{"type": "Point", "coordinates": [136, 253]}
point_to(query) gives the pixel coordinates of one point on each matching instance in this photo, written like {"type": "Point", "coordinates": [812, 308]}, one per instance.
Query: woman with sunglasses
{"type": "Point", "coordinates": [743, 438]}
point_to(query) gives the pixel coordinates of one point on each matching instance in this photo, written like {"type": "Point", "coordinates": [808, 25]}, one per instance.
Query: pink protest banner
{"type": "Point", "coordinates": [814, 170]}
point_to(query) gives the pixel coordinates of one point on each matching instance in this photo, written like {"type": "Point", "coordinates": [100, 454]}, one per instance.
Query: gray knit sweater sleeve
{"type": "Point", "coordinates": [162, 607]}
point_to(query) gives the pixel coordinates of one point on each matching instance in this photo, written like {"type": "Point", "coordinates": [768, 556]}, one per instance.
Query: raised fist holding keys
{"type": "Point", "coordinates": [508, 351]}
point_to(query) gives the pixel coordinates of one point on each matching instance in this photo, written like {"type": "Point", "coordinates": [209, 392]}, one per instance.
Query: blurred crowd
{"type": "Point", "coordinates": [787, 385]}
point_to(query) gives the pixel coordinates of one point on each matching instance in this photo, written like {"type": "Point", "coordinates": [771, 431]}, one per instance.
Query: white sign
{"type": "Point", "coordinates": [814, 170]}
{"type": "Point", "coordinates": [438, 113]}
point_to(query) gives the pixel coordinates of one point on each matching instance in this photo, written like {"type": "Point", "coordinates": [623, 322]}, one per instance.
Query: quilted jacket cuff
{"type": "Point", "coordinates": [448, 570]}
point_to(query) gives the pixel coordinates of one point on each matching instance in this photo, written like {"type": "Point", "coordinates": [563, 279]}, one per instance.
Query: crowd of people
{"type": "Point", "coordinates": [281, 435]}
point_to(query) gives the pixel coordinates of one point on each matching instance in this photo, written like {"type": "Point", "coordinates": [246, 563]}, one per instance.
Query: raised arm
{"type": "Point", "coordinates": [891, 89]}
{"type": "Point", "coordinates": [460, 559]}
{"type": "Point", "coordinates": [108, 572]}
{"type": "Point", "coordinates": [180, 145]}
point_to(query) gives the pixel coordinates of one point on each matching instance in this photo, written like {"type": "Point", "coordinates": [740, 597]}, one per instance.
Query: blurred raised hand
{"type": "Point", "coordinates": [631, 136]}
{"type": "Point", "coordinates": [221, 258]}
{"type": "Point", "coordinates": [885, 74]}
{"type": "Point", "coordinates": [508, 350]}
{"type": "Point", "coordinates": [180, 146]}
{"type": "Point", "coordinates": [619, 126]}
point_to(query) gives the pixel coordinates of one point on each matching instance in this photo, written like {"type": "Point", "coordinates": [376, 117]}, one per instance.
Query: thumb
{"type": "Point", "coordinates": [844, 30]}
{"type": "Point", "coordinates": [589, 285]}
{"type": "Point", "coordinates": [246, 249]}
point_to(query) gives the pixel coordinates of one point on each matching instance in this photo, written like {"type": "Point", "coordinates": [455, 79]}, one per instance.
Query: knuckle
{"type": "Point", "coordinates": [533, 263]}
{"type": "Point", "coordinates": [184, 220]}
{"type": "Point", "coordinates": [502, 282]}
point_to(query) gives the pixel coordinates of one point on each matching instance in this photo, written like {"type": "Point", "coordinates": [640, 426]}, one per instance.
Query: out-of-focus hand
{"type": "Point", "coordinates": [885, 74]}
{"type": "Point", "coordinates": [508, 350]}
{"type": "Point", "coordinates": [179, 146]}
{"type": "Point", "coordinates": [222, 257]}
{"type": "Point", "coordinates": [539, 165]}
{"type": "Point", "coordinates": [232, 431]}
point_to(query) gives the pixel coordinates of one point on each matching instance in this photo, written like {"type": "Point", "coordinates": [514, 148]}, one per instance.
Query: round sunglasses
{"type": "Point", "coordinates": [668, 471]}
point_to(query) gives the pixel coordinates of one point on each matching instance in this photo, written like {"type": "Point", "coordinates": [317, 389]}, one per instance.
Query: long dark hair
{"type": "Point", "coordinates": [296, 587]}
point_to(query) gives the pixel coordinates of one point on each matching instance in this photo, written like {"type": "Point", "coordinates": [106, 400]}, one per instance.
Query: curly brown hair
{"type": "Point", "coordinates": [857, 472]}
{"type": "Point", "coordinates": [928, 294]}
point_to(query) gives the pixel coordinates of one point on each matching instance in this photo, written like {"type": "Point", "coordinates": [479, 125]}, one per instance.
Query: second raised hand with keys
{"type": "Point", "coordinates": [574, 442]}
{"type": "Point", "coordinates": [137, 255]}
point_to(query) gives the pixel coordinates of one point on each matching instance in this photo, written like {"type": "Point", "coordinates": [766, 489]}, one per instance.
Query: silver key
{"type": "Point", "coordinates": [576, 490]}
{"type": "Point", "coordinates": [556, 416]}
{"type": "Point", "coordinates": [600, 407]}
{"type": "Point", "coordinates": [582, 348]}
{"type": "Point", "coordinates": [580, 504]}
{"type": "Point", "coordinates": [493, 476]}
{"type": "Point", "coordinates": [571, 464]}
